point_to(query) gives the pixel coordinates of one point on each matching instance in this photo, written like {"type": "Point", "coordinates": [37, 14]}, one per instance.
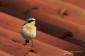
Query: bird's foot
{"type": "Point", "coordinates": [26, 42]}
{"type": "Point", "coordinates": [33, 51]}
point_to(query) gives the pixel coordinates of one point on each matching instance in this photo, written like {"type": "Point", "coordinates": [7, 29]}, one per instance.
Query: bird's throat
{"type": "Point", "coordinates": [30, 26]}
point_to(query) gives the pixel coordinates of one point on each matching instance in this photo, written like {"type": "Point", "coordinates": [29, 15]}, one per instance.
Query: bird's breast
{"type": "Point", "coordinates": [29, 33]}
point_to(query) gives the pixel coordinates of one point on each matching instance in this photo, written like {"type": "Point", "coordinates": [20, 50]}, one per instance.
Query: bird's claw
{"type": "Point", "coordinates": [33, 51]}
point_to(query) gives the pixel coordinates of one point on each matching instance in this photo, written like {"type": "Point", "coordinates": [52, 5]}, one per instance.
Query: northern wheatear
{"type": "Point", "coordinates": [29, 30]}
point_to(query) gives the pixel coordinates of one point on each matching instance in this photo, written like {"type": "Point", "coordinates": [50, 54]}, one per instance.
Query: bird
{"type": "Point", "coordinates": [28, 31]}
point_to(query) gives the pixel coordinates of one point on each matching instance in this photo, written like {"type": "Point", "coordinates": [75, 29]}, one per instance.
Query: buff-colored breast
{"type": "Point", "coordinates": [29, 31]}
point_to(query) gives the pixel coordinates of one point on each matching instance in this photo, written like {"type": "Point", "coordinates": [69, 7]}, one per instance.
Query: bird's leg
{"type": "Point", "coordinates": [32, 47]}
{"type": "Point", "coordinates": [32, 44]}
{"type": "Point", "coordinates": [26, 42]}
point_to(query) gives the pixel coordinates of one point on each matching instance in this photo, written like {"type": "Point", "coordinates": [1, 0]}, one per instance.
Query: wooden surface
{"type": "Point", "coordinates": [60, 27]}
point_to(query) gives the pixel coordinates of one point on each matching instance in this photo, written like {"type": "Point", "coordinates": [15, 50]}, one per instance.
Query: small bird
{"type": "Point", "coordinates": [28, 30]}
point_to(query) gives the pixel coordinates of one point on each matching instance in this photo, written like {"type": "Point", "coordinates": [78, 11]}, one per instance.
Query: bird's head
{"type": "Point", "coordinates": [31, 21]}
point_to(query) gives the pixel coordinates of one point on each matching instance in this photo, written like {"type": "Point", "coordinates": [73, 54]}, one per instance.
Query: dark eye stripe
{"type": "Point", "coordinates": [30, 21]}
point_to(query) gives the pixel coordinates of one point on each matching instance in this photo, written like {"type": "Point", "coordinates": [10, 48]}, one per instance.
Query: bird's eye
{"type": "Point", "coordinates": [29, 21]}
